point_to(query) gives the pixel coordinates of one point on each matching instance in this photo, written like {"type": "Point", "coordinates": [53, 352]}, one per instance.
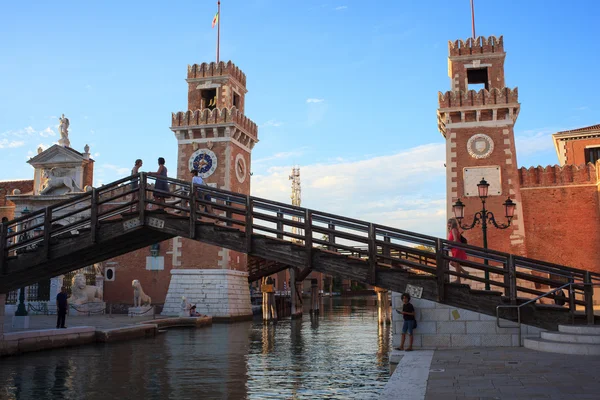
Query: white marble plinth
{"type": "Point", "coordinates": [142, 311]}
{"type": "Point", "coordinates": [87, 308]}
{"type": "Point", "coordinates": [20, 322]}
{"type": "Point", "coordinates": [215, 292]}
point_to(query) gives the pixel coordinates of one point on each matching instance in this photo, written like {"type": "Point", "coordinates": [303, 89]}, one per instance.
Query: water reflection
{"type": "Point", "coordinates": [341, 353]}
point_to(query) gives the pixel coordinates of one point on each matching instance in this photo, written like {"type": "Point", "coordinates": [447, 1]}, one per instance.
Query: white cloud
{"type": "Point", "coordinates": [271, 122]}
{"type": "Point", "coordinates": [313, 100]}
{"type": "Point", "coordinates": [96, 155]}
{"type": "Point", "coordinates": [120, 172]}
{"type": "Point", "coordinates": [47, 132]}
{"type": "Point", "coordinates": [405, 190]}
{"type": "Point", "coordinates": [280, 156]}
{"type": "Point", "coordinates": [534, 141]}
{"type": "Point", "coordinates": [340, 8]}
{"type": "Point", "coordinates": [10, 144]}
{"type": "Point", "coordinates": [88, 87]}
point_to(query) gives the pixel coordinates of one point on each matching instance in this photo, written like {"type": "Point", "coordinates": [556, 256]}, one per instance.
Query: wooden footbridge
{"type": "Point", "coordinates": [123, 216]}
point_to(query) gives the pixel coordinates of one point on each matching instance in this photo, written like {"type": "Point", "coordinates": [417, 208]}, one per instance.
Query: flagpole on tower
{"type": "Point", "coordinates": [219, 27]}
{"type": "Point", "coordinates": [473, 18]}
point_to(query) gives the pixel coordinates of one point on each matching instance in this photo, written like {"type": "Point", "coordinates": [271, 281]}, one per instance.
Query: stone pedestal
{"type": "Point", "coordinates": [219, 293]}
{"type": "Point", "coordinates": [55, 286]}
{"type": "Point", "coordinates": [20, 322]}
{"type": "Point", "coordinates": [142, 311]}
{"type": "Point", "coordinates": [87, 309]}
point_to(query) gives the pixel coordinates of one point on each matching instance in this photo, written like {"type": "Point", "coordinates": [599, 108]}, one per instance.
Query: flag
{"type": "Point", "coordinates": [215, 20]}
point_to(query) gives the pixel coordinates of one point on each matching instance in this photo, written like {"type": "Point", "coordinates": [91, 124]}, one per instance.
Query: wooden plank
{"type": "Point", "coordinates": [280, 225]}
{"type": "Point", "coordinates": [308, 239]}
{"type": "Point", "coordinates": [331, 237]}
{"type": "Point", "coordinates": [192, 216]}
{"type": "Point", "coordinates": [372, 275]}
{"type": "Point", "coordinates": [441, 269]}
{"type": "Point", "coordinates": [510, 278]}
{"type": "Point", "coordinates": [142, 197]}
{"type": "Point", "coordinates": [248, 227]}
{"type": "Point", "coordinates": [588, 291]}
{"type": "Point", "coordinates": [47, 230]}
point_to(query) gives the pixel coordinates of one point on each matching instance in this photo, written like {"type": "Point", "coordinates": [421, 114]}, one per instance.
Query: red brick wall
{"type": "Point", "coordinates": [7, 207]}
{"type": "Point", "coordinates": [88, 174]}
{"type": "Point", "coordinates": [575, 150]}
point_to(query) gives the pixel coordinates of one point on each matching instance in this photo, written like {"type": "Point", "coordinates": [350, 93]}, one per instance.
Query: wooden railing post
{"type": "Point", "coordinates": [192, 203]}
{"type": "Point", "coordinates": [387, 252]}
{"type": "Point", "coordinates": [308, 237]}
{"type": "Point", "coordinates": [572, 306]}
{"type": "Point", "coordinates": [248, 226]}
{"type": "Point", "coordinates": [94, 215]}
{"type": "Point", "coordinates": [372, 277]}
{"type": "Point", "coordinates": [441, 269]}
{"type": "Point", "coordinates": [3, 263]}
{"type": "Point", "coordinates": [510, 279]}
{"type": "Point", "coordinates": [228, 214]}
{"type": "Point", "coordinates": [279, 225]}
{"type": "Point", "coordinates": [47, 230]}
{"type": "Point", "coordinates": [331, 237]}
{"type": "Point", "coordinates": [589, 298]}
{"type": "Point", "coordinates": [142, 197]}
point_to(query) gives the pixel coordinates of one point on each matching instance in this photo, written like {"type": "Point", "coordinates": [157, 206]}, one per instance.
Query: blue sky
{"type": "Point", "coordinates": [347, 90]}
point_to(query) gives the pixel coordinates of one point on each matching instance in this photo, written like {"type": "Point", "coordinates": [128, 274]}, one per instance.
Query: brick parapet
{"type": "Point", "coordinates": [472, 98]}
{"type": "Point", "coordinates": [555, 175]}
{"type": "Point", "coordinates": [213, 117]}
{"type": "Point", "coordinates": [479, 45]}
{"type": "Point", "coordinates": [206, 70]}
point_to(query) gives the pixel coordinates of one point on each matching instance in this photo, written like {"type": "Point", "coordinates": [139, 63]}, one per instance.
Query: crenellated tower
{"type": "Point", "coordinates": [216, 138]}
{"type": "Point", "coordinates": [477, 117]}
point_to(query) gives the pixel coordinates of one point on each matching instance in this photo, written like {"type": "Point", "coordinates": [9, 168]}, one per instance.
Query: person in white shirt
{"type": "Point", "coordinates": [197, 182]}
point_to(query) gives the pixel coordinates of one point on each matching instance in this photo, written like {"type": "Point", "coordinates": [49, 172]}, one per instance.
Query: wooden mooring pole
{"type": "Point", "coordinates": [314, 296]}
{"type": "Point", "coordinates": [296, 310]}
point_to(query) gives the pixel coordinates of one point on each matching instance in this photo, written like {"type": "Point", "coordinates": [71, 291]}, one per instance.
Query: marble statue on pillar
{"type": "Point", "coordinates": [85, 299]}
{"type": "Point", "coordinates": [63, 129]}
{"type": "Point", "coordinates": [141, 301]}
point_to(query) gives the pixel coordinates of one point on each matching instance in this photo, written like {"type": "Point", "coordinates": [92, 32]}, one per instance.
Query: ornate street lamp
{"type": "Point", "coordinates": [21, 310]}
{"type": "Point", "coordinates": [484, 216]}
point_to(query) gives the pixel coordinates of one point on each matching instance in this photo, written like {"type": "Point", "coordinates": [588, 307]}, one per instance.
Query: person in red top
{"type": "Point", "coordinates": [454, 236]}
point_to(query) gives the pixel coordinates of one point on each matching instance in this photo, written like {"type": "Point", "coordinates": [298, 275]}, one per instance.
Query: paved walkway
{"type": "Point", "coordinates": [98, 321]}
{"type": "Point", "coordinates": [499, 373]}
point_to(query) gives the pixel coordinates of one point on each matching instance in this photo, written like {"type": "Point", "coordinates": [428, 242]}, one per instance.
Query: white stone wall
{"type": "Point", "coordinates": [439, 326]}
{"type": "Point", "coordinates": [215, 292]}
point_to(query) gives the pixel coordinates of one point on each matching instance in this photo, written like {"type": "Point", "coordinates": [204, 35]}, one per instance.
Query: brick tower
{"type": "Point", "coordinates": [476, 117]}
{"type": "Point", "coordinates": [216, 138]}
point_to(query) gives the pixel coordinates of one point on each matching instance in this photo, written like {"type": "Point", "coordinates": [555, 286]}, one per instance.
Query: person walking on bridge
{"type": "Point", "coordinates": [134, 182]}
{"type": "Point", "coordinates": [454, 235]}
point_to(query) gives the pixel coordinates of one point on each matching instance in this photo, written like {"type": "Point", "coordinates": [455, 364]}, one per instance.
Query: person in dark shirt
{"type": "Point", "coordinates": [61, 308]}
{"type": "Point", "coordinates": [408, 312]}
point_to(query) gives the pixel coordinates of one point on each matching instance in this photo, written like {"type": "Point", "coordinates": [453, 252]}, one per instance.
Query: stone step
{"type": "Point", "coordinates": [580, 329]}
{"type": "Point", "coordinates": [549, 346]}
{"type": "Point", "coordinates": [571, 337]}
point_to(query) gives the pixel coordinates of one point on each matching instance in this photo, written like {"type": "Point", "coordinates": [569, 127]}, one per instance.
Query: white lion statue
{"type": "Point", "coordinates": [82, 293]}
{"type": "Point", "coordinates": [57, 177]}
{"type": "Point", "coordinates": [139, 297]}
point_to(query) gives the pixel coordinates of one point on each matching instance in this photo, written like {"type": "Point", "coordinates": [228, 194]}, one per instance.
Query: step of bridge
{"type": "Point", "coordinates": [551, 346]}
{"type": "Point", "coordinates": [580, 329]}
{"type": "Point", "coordinates": [571, 337]}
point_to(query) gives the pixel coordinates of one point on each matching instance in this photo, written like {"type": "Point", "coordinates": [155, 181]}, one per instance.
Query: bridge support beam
{"type": "Point", "coordinates": [296, 309]}
{"type": "Point", "coordinates": [314, 296]}
{"type": "Point", "coordinates": [383, 306]}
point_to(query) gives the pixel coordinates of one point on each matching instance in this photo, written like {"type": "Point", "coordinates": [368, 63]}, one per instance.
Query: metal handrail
{"type": "Point", "coordinates": [518, 306]}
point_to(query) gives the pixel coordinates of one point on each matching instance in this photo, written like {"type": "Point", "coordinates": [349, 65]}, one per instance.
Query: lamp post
{"type": "Point", "coordinates": [483, 217]}
{"type": "Point", "coordinates": [21, 310]}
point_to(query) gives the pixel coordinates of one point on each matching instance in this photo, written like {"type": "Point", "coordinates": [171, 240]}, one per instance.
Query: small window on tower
{"type": "Point", "coordinates": [209, 98]}
{"type": "Point", "coordinates": [477, 78]}
{"type": "Point", "coordinates": [236, 100]}
{"type": "Point", "coordinates": [592, 155]}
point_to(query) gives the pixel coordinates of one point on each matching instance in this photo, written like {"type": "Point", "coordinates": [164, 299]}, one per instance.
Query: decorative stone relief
{"type": "Point", "coordinates": [480, 146]}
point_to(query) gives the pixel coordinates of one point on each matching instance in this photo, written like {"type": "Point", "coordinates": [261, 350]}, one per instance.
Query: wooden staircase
{"type": "Point", "coordinates": [108, 221]}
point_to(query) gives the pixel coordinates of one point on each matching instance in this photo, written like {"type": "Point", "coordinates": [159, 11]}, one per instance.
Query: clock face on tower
{"type": "Point", "coordinates": [205, 161]}
{"type": "Point", "coordinates": [240, 168]}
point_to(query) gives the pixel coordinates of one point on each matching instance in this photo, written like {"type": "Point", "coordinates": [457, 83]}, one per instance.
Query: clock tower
{"type": "Point", "coordinates": [216, 138]}
{"type": "Point", "coordinates": [477, 118]}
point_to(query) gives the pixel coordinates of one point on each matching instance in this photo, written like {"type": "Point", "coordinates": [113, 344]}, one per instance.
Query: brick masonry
{"type": "Point", "coordinates": [443, 326]}
{"type": "Point", "coordinates": [7, 207]}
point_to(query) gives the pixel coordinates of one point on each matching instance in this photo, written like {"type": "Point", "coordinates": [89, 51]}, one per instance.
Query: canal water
{"type": "Point", "coordinates": [341, 354]}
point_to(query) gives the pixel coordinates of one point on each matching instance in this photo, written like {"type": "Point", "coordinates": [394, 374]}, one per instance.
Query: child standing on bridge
{"type": "Point", "coordinates": [408, 312]}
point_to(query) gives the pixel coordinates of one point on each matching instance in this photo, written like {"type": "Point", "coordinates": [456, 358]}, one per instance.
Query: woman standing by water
{"type": "Point", "coordinates": [161, 184]}
{"type": "Point", "coordinates": [454, 236]}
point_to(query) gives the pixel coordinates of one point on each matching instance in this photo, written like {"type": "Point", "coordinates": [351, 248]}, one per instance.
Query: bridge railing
{"type": "Point", "coordinates": [380, 246]}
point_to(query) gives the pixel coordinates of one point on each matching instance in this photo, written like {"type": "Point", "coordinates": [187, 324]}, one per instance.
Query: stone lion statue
{"type": "Point", "coordinates": [56, 177]}
{"type": "Point", "coordinates": [139, 297]}
{"type": "Point", "coordinates": [82, 293]}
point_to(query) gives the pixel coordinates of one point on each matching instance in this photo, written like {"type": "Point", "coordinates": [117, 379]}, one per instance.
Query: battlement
{"type": "Point", "coordinates": [214, 116]}
{"type": "Point", "coordinates": [206, 70]}
{"type": "Point", "coordinates": [555, 175]}
{"type": "Point", "coordinates": [472, 98]}
{"type": "Point", "coordinates": [480, 45]}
